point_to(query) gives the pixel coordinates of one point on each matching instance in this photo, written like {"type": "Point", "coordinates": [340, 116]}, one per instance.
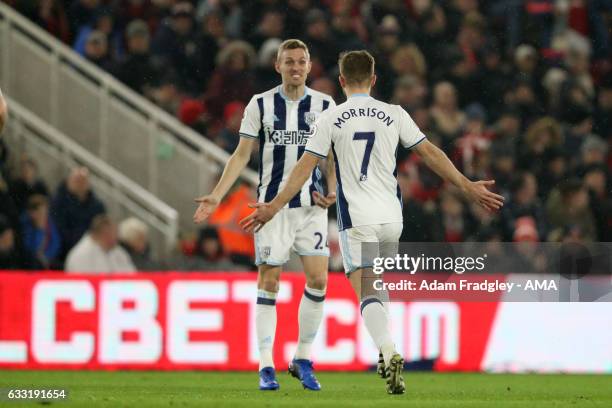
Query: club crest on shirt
{"type": "Point", "coordinates": [310, 118]}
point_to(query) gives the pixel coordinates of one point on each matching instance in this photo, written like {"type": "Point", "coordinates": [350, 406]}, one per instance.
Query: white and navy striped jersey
{"type": "Point", "coordinates": [283, 127]}
{"type": "Point", "coordinates": [363, 134]}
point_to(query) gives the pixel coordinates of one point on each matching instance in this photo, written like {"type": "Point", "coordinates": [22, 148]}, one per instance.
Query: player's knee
{"type": "Point", "coordinates": [270, 283]}
{"type": "Point", "coordinates": [317, 282]}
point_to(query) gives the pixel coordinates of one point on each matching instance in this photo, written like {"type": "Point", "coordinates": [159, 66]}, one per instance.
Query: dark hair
{"type": "Point", "coordinates": [208, 233]}
{"type": "Point", "coordinates": [356, 67]}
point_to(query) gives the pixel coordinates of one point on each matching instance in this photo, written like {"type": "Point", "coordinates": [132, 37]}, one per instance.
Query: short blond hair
{"type": "Point", "coordinates": [131, 228]}
{"type": "Point", "coordinates": [292, 44]}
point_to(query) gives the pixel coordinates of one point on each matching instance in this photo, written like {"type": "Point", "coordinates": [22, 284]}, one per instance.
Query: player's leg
{"type": "Point", "coordinates": [357, 265]}
{"type": "Point", "coordinates": [270, 252]}
{"type": "Point", "coordinates": [311, 244]}
{"type": "Point", "coordinates": [376, 320]}
{"type": "Point", "coordinates": [265, 323]}
{"type": "Point", "coordinates": [310, 312]}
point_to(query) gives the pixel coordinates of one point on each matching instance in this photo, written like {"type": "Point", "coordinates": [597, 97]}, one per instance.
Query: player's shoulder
{"type": "Point", "coordinates": [268, 93]}
{"type": "Point", "coordinates": [331, 112]}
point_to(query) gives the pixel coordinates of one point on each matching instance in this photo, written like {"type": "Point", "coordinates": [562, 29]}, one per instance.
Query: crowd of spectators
{"type": "Point", "coordinates": [516, 91]}
{"type": "Point", "coordinates": [70, 230]}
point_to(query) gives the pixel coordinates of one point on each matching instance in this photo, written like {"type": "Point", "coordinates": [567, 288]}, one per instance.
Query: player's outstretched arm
{"type": "Point", "coordinates": [476, 191]}
{"type": "Point", "coordinates": [265, 211]}
{"type": "Point", "coordinates": [330, 174]}
{"type": "Point", "coordinates": [234, 166]}
{"type": "Point", "coordinates": [3, 111]}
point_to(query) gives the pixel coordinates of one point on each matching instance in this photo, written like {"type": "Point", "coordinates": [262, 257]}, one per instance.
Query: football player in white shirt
{"type": "Point", "coordinates": [363, 134]}
{"type": "Point", "coordinates": [282, 120]}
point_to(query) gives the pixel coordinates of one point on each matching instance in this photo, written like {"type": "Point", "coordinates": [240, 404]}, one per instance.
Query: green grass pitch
{"type": "Point", "coordinates": [214, 389]}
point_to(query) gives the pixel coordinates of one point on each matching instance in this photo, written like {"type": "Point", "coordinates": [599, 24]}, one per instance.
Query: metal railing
{"type": "Point", "coordinates": [121, 127]}
{"type": "Point", "coordinates": [56, 154]}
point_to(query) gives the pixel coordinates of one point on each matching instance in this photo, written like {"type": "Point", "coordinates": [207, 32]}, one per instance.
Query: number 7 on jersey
{"type": "Point", "coordinates": [369, 137]}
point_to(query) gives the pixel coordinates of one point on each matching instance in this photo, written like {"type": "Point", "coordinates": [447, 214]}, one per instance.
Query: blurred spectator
{"type": "Point", "coordinates": [320, 39]}
{"type": "Point", "coordinates": [176, 44]}
{"type": "Point", "coordinates": [166, 93]}
{"type": "Point", "coordinates": [104, 21]}
{"type": "Point", "coordinates": [408, 60]}
{"type": "Point", "coordinates": [137, 69]}
{"type": "Point", "coordinates": [271, 25]}
{"type": "Point", "coordinates": [98, 252]}
{"type": "Point", "coordinates": [294, 21]}
{"type": "Point", "coordinates": [209, 255]}
{"type": "Point", "coordinates": [448, 120]}
{"type": "Point", "coordinates": [212, 38]}
{"type": "Point", "coordinates": [596, 179]}
{"type": "Point", "coordinates": [233, 78]}
{"type": "Point", "coordinates": [266, 76]}
{"type": "Point", "coordinates": [409, 92]}
{"type": "Point", "coordinates": [541, 139]}
{"type": "Point", "coordinates": [554, 172]}
{"type": "Point", "coordinates": [493, 78]}
{"type": "Point", "coordinates": [507, 131]}
{"type": "Point", "coordinates": [27, 183]}
{"type": "Point", "coordinates": [230, 134]}
{"type": "Point", "coordinates": [523, 202]}
{"type": "Point", "coordinates": [41, 238]}
{"type": "Point", "coordinates": [81, 13]}
{"type": "Point", "coordinates": [134, 238]}
{"type": "Point", "coordinates": [594, 150]}
{"type": "Point", "coordinates": [48, 14]}
{"type": "Point", "coordinates": [417, 222]}
{"type": "Point", "coordinates": [343, 30]}
{"type": "Point", "coordinates": [568, 205]}
{"type": "Point", "coordinates": [193, 113]}
{"type": "Point", "coordinates": [96, 50]}
{"type": "Point", "coordinates": [9, 255]}
{"type": "Point", "coordinates": [431, 36]}
{"type": "Point", "coordinates": [472, 149]}
{"type": "Point", "coordinates": [7, 204]}
{"type": "Point", "coordinates": [387, 39]}
{"type": "Point", "coordinates": [580, 127]}
{"type": "Point", "coordinates": [74, 207]}
{"type": "Point", "coordinates": [236, 243]}
{"type": "Point", "coordinates": [603, 110]}
{"type": "Point", "coordinates": [451, 218]}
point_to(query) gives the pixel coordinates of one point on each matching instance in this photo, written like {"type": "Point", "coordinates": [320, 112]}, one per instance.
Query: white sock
{"type": "Point", "coordinates": [309, 319]}
{"type": "Point", "coordinates": [377, 322]}
{"type": "Point", "coordinates": [265, 324]}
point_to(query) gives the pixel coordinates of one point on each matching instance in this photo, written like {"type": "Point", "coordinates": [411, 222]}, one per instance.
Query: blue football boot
{"type": "Point", "coordinates": [302, 370]}
{"type": "Point", "coordinates": [267, 379]}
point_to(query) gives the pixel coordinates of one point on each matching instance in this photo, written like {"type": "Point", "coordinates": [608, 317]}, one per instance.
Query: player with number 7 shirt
{"type": "Point", "coordinates": [363, 134]}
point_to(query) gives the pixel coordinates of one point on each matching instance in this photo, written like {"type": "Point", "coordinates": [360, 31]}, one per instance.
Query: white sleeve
{"type": "Point", "coordinates": [409, 133]}
{"type": "Point", "coordinates": [251, 120]}
{"type": "Point", "coordinates": [320, 142]}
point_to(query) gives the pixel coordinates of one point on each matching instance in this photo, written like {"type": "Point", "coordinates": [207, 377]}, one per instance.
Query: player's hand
{"type": "Point", "coordinates": [323, 201]}
{"type": "Point", "coordinates": [478, 191]}
{"type": "Point", "coordinates": [258, 218]}
{"type": "Point", "coordinates": [208, 204]}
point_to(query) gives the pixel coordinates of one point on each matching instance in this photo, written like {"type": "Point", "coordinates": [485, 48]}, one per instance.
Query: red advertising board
{"type": "Point", "coordinates": [176, 321]}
